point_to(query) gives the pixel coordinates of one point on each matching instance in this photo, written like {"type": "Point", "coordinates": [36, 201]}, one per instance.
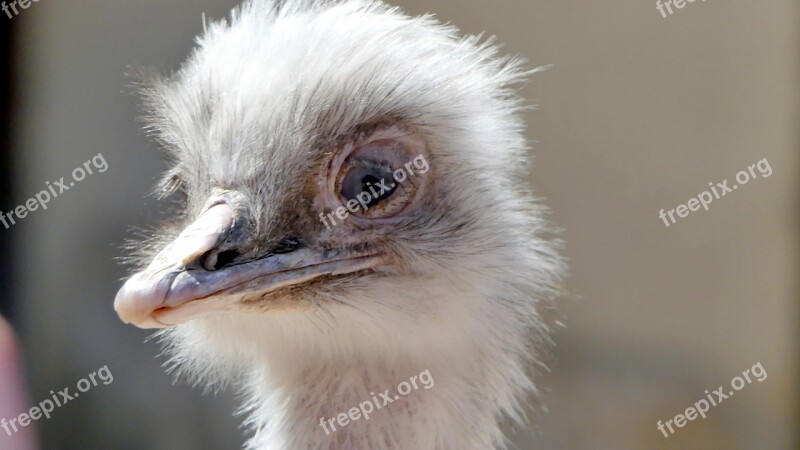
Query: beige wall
{"type": "Point", "coordinates": [639, 113]}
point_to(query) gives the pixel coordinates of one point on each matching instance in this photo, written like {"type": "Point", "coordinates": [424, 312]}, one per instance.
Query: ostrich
{"type": "Point", "coordinates": [285, 113]}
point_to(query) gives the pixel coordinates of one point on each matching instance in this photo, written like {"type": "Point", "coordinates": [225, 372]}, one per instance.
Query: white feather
{"type": "Point", "coordinates": [258, 91]}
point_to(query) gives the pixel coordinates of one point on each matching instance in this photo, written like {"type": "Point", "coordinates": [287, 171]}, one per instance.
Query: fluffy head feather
{"type": "Point", "coordinates": [256, 109]}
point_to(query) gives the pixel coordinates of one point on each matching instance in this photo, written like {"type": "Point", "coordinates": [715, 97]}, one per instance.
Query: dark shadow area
{"type": "Point", "coordinates": [6, 175]}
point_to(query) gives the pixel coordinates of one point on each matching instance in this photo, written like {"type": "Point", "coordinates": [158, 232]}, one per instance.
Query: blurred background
{"type": "Point", "coordinates": [639, 113]}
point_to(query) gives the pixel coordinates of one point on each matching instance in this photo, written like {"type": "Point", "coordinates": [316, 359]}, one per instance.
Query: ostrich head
{"type": "Point", "coordinates": [279, 274]}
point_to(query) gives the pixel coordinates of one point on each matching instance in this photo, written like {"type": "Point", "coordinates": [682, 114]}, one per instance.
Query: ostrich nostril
{"type": "Point", "coordinates": [225, 259]}
{"type": "Point", "coordinates": [218, 260]}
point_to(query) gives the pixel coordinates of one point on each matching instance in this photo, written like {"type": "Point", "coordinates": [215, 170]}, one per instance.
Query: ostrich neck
{"type": "Point", "coordinates": [371, 405]}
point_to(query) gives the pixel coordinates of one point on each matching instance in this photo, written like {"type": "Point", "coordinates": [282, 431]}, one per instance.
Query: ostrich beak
{"type": "Point", "coordinates": [172, 290]}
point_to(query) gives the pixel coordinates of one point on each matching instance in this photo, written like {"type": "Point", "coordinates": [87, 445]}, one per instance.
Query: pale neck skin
{"type": "Point", "coordinates": [449, 409]}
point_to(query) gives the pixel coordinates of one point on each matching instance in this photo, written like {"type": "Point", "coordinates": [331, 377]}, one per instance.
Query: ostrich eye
{"type": "Point", "coordinates": [372, 182]}
{"type": "Point", "coordinates": [376, 180]}
{"type": "Point", "coordinates": [368, 182]}
{"type": "Point", "coordinates": [377, 173]}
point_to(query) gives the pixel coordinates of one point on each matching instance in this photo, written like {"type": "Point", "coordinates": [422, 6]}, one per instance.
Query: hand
{"type": "Point", "coordinates": [13, 400]}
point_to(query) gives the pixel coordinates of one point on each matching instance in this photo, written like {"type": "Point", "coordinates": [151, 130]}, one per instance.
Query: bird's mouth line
{"type": "Point", "coordinates": [173, 290]}
{"type": "Point", "coordinates": [258, 285]}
